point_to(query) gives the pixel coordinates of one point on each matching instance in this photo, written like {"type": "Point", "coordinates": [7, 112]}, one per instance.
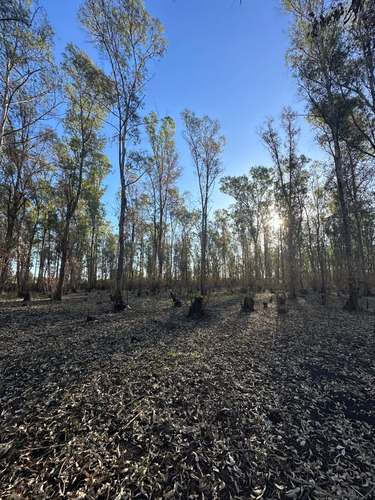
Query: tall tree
{"type": "Point", "coordinates": [27, 71]}
{"type": "Point", "coordinates": [128, 37]}
{"type": "Point", "coordinates": [163, 174]}
{"type": "Point", "coordinates": [81, 151]}
{"type": "Point", "coordinates": [317, 210]}
{"type": "Point", "coordinates": [28, 86]}
{"type": "Point", "coordinates": [206, 146]}
{"type": "Point", "coordinates": [19, 176]}
{"type": "Point", "coordinates": [253, 195]}
{"type": "Point", "coordinates": [318, 51]}
{"type": "Point", "coordinates": [186, 223]}
{"type": "Point", "coordinates": [290, 186]}
{"type": "Point", "coordinates": [93, 192]}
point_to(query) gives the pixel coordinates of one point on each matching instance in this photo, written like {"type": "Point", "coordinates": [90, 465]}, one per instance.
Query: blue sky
{"type": "Point", "coordinates": [224, 59]}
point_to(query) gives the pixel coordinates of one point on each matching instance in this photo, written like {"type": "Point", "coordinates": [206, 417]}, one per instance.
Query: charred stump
{"type": "Point", "coordinates": [196, 308]}
{"type": "Point", "coordinates": [117, 301]}
{"type": "Point", "coordinates": [26, 296]}
{"type": "Point", "coordinates": [281, 307]}
{"type": "Point", "coordinates": [248, 304]}
{"type": "Point", "coordinates": [352, 304]}
{"type": "Point", "coordinates": [281, 301]}
{"type": "Point", "coordinates": [176, 301]}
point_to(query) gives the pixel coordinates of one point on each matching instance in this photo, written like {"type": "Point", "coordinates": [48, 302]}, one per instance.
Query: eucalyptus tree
{"type": "Point", "coordinates": [27, 71]}
{"type": "Point", "coordinates": [92, 194]}
{"type": "Point", "coordinates": [205, 145]}
{"type": "Point", "coordinates": [28, 86]}
{"type": "Point", "coordinates": [46, 201]}
{"type": "Point", "coordinates": [21, 169]}
{"type": "Point", "coordinates": [318, 52]}
{"type": "Point", "coordinates": [25, 243]}
{"type": "Point", "coordinates": [254, 197]}
{"type": "Point", "coordinates": [128, 38]}
{"type": "Point", "coordinates": [317, 212]}
{"type": "Point", "coordinates": [108, 253]}
{"type": "Point", "coordinates": [357, 74]}
{"type": "Point", "coordinates": [14, 11]}
{"type": "Point", "coordinates": [290, 186]}
{"type": "Point", "coordinates": [138, 203]}
{"type": "Point", "coordinates": [79, 154]}
{"type": "Point", "coordinates": [219, 247]}
{"type": "Point", "coordinates": [187, 222]}
{"type": "Point", "coordinates": [163, 172]}
{"type": "Point", "coordinates": [359, 172]}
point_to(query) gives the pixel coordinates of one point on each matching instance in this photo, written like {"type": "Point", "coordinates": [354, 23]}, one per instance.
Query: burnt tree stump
{"type": "Point", "coordinates": [248, 304]}
{"type": "Point", "coordinates": [281, 301]}
{"type": "Point", "coordinates": [176, 301]}
{"type": "Point", "coordinates": [196, 308]}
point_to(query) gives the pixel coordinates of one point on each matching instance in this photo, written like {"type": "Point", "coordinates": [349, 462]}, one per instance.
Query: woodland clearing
{"type": "Point", "coordinates": [149, 403]}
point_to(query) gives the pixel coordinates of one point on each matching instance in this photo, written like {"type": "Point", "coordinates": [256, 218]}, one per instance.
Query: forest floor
{"type": "Point", "coordinates": [151, 404]}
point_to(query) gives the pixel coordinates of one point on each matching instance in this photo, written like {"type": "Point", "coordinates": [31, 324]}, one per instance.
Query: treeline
{"type": "Point", "coordinates": [295, 224]}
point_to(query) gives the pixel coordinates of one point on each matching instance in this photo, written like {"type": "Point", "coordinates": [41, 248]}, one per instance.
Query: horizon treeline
{"type": "Point", "coordinates": [294, 224]}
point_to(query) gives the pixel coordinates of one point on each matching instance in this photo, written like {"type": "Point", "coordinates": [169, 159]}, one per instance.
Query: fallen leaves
{"type": "Point", "coordinates": [150, 404]}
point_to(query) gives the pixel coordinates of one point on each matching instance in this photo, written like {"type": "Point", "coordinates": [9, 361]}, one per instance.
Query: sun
{"type": "Point", "coordinates": [276, 221]}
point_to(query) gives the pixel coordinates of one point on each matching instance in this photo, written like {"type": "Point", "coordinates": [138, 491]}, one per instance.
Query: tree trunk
{"type": "Point", "coordinates": [119, 304]}
{"type": "Point", "coordinates": [353, 302]}
{"type": "Point", "coordinates": [6, 251]}
{"type": "Point", "coordinates": [24, 281]}
{"type": "Point", "coordinates": [197, 307]}
{"type": "Point", "coordinates": [248, 304]}
{"type": "Point", "coordinates": [4, 111]}
{"type": "Point", "coordinates": [42, 259]}
{"type": "Point", "coordinates": [203, 253]}
{"type": "Point", "coordinates": [64, 259]}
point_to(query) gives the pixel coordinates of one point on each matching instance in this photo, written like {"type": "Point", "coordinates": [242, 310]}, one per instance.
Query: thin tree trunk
{"type": "Point", "coordinates": [203, 251]}
{"type": "Point", "coordinates": [6, 252]}
{"type": "Point", "coordinates": [119, 303]}
{"type": "Point", "coordinates": [64, 259]}
{"type": "Point", "coordinates": [42, 259]}
{"type": "Point", "coordinates": [24, 285]}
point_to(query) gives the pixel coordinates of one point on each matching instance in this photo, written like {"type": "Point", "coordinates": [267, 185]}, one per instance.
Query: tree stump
{"type": "Point", "coordinates": [176, 301]}
{"type": "Point", "coordinates": [280, 301]}
{"type": "Point", "coordinates": [248, 304]}
{"type": "Point", "coordinates": [196, 308]}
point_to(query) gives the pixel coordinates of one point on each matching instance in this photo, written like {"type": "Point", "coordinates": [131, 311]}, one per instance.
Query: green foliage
{"type": "Point", "coordinates": [128, 37]}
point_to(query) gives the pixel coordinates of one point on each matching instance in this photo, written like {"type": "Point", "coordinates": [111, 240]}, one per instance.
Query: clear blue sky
{"type": "Point", "coordinates": [224, 59]}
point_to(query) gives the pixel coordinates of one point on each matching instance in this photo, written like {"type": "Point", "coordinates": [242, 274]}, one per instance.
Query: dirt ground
{"type": "Point", "coordinates": [150, 404]}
